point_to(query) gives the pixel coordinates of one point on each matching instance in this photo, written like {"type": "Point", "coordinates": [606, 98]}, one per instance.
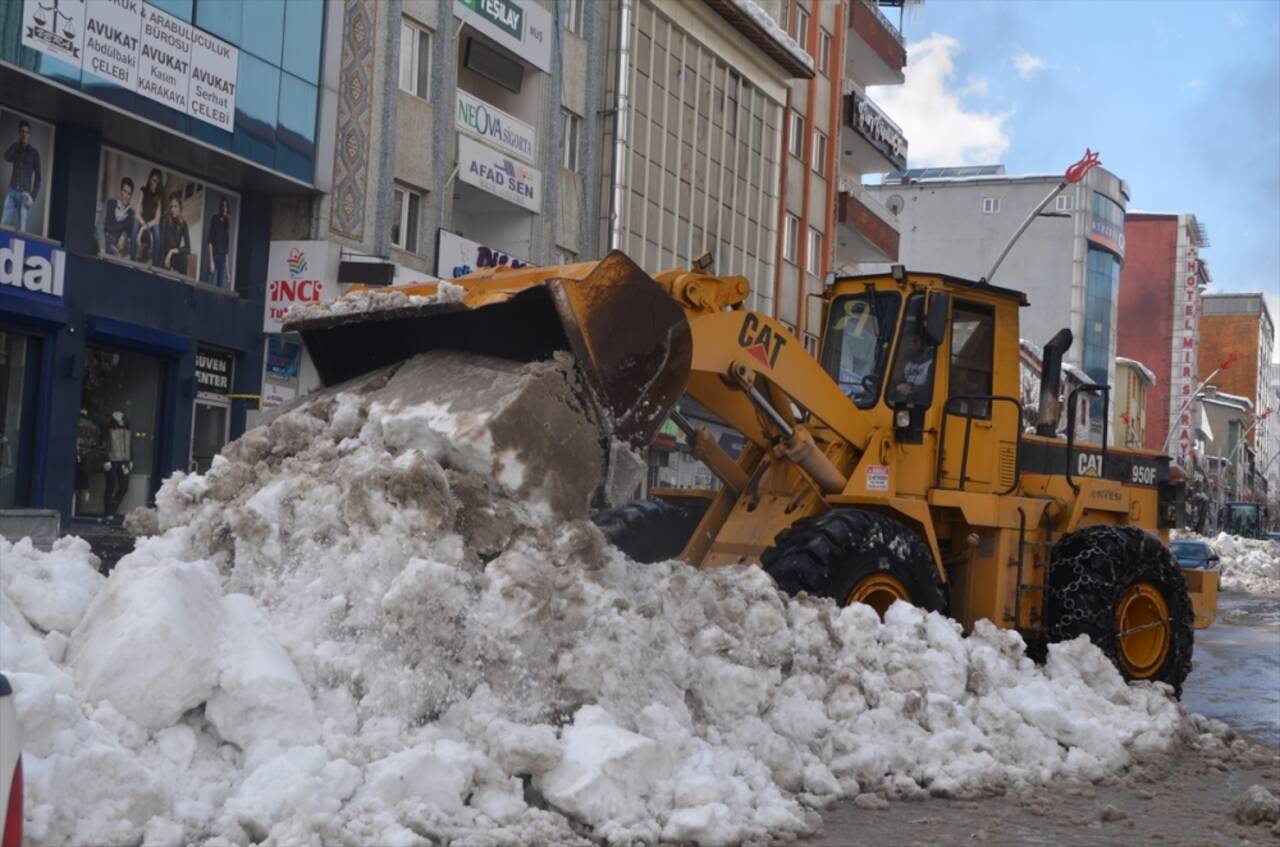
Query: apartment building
{"type": "Point", "coordinates": [1240, 325]}
{"type": "Point", "coordinates": [1161, 285]}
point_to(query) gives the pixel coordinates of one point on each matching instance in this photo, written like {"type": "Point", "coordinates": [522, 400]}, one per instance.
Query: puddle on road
{"type": "Point", "coordinates": [1235, 675]}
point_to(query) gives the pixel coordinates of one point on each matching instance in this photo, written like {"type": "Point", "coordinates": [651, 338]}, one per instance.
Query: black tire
{"type": "Point", "coordinates": [836, 552]}
{"type": "Point", "coordinates": [1094, 575]}
{"type": "Point", "coordinates": [650, 530]}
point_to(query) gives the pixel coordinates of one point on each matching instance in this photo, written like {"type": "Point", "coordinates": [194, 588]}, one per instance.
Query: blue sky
{"type": "Point", "coordinates": [1181, 98]}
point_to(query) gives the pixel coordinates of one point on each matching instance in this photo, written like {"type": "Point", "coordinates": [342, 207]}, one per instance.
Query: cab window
{"type": "Point", "coordinates": [911, 383]}
{"type": "Point", "coordinates": [859, 331]}
{"type": "Point", "coordinates": [972, 357]}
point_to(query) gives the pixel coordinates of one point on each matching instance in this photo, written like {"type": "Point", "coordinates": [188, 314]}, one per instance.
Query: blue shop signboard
{"type": "Point", "coordinates": [31, 267]}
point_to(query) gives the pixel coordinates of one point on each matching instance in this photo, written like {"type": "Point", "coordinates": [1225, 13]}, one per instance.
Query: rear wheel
{"type": "Point", "coordinates": [650, 530]}
{"type": "Point", "coordinates": [856, 557]}
{"type": "Point", "coordinates": [1121, 587]}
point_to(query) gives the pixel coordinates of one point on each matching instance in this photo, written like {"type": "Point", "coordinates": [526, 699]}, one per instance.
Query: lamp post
{"type": "Point", "coordinates": [1195, 395]}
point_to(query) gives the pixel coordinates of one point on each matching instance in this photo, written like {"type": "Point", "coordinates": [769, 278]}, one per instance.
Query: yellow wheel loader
{"type": "Point", "coordinates": [894, 466]}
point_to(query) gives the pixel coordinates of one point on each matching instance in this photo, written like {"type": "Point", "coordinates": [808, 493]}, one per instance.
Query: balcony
{"type": "Point", "coordinates": [876, 54]}
{"type": "Point", "coordinates": [866, 231]}
{"type": "Point", "coordinates": [869, 141]}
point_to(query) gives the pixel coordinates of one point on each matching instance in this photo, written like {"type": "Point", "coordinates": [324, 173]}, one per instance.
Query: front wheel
{"type": "Point", "coordinates": [651, 530]}
{"type": "Point", "coordinates": [1121, 587]}
{"type": "Point", "coordinates": [853, 556]}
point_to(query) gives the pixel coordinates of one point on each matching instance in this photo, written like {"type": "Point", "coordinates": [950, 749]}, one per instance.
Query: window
{"type": "Point", "coordinates": [415, 60]}
{"type": "Point", "coordinates": [116, 432]}
{"type": "Point", "coordinates": [404, 228]}
{"type": "Point", "coordinates": [913, 370]}
{"type": "Point", "coordinates": [859, 330]}
{"type": "Point", "coordinates": [972, 357]}
{"type": "Point", "coordinates": [819, 163]}
{"type": "Point", "coordinates": [565, 257]}
{"type": "Point", "coordinates": [1065, 203]}
{"type": "Point", "coordinates": [990, 205]}
{"type": "Point", "coordinates": [572, 128]}
{"type": "Point", "coordinates": [790, 238]}
{"type": "Point", "coordinates": [824, 52]}
{"type": "Point", "coordinates": [1102, 279]}
{"type": "Point", "coordinates": [573, 16]}
{"type": "Point", "coordinates": [802, 28]}
{"type": "Point", "coordinates": [811, 344]}
{"type": "Point", "coordinates": [813, 259]}
{"type": "Point", "coordinates": [796, 141]}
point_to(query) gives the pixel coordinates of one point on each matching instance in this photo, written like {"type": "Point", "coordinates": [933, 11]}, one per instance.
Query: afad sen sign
{"type": "Point", "coordinates": [498, 174]}
{"type": "Point", "coordinates": [35, 267]}
{"type": "Point", "coordinates": [298, 273]}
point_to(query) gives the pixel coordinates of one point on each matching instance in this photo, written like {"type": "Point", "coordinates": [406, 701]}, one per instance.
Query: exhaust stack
{"type": "Point", "coordinates": [1051, 382]}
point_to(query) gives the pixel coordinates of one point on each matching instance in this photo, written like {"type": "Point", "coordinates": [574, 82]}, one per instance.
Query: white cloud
{"type": "Point", "coordinates": [1237, 19]}
{"type": "Point", "coordinates": [1195, 85]}
{"type": "Point", "coordinates": [1028, 65]}
{"type": "Point", "coordinates": [931, 109]}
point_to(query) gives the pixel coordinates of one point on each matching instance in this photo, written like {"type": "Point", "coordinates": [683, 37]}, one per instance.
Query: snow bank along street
{"type": "Point", "coordinates": [1249, 565]}
{"type": "Point", "coordinates": [382, 619]}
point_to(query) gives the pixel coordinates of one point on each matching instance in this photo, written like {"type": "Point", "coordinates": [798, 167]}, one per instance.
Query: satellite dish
{"type": "Point", "coordinates": [894, 204]}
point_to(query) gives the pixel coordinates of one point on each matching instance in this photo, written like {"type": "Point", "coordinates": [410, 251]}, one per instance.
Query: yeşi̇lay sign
{"type": "Point", "coordinates": [522, 26]}
{"type": "Point", "coordinates": [142, 48]}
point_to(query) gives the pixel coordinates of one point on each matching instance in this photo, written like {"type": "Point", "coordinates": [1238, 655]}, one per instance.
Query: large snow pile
{"type": "Point", "coordinates": [1249, 564]}
{"type": "Point", "coordinates": [356, 629]}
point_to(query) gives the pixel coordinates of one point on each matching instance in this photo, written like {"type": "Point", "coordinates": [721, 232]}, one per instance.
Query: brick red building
{"type": "Point", "coordinates": [1240, 324]}
{"type": "Point", "coordinates": [1159, 314]}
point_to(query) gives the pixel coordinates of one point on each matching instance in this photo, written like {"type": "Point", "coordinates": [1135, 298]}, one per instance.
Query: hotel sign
{"type": "Point", "coordinates": [522, 26]}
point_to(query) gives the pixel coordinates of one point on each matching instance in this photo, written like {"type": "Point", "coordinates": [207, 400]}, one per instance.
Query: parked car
{"type": "Point", "coordinates": [10, 769]}
{"type": "Point", "coordinates": [1194, 554]}
{"type": "Point", "coordinates": [1274, 536]}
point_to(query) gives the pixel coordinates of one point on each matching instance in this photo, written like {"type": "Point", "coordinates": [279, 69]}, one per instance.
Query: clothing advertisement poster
{"type": "Point", "coordinates": [27, 146]}
{"type": "Point", "coordinates": [159, 218]}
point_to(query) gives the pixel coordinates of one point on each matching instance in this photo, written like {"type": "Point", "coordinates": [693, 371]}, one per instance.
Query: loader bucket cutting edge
{"type": "Point", "coordinates": [630, 339]}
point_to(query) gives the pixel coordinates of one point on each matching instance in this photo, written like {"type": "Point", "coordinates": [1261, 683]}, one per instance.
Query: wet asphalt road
{"type": "Point", "coordinates": [1235, 673]}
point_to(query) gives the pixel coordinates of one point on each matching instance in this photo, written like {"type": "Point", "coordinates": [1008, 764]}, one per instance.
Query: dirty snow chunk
{"type": "Point", "coordinates": [606, 772]}
{"type": "Point", "coordinates": [149, 641]}
{"type": "Point", "coordinates": [51, 589]}
{"type": "Point", "coordinates": [439, 773]}
{"type": "Point", "coordinates": [1257, 805]}
{"type": "Point", "coordinates": [259, 694]}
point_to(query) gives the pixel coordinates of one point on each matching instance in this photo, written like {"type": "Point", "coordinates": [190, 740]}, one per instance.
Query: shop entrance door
{"type": "Point", "coordinates": [210, 429]}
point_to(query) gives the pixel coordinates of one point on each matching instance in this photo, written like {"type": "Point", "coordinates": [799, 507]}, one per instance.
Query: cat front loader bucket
{"type": "Point", "coordinates": [630, 339]}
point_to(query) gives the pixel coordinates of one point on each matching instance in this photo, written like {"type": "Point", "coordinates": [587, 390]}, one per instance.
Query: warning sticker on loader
{"type": "Point", "coordinates": [877, 477]}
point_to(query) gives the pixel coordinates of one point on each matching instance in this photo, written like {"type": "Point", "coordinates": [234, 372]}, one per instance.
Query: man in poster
{"type": "Point", "coordinates": [24, 179]}
{"type": "Point", "coordinates": [218, 244]}
{"type": "Point", "coordinates": [120, 223]}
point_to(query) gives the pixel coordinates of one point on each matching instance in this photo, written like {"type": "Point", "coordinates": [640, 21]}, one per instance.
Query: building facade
{"type": "Point", "coordinates": [958, 220]}
{"type": "Point", "coordinates": [1241, 325]}
{"type": "Point", "coordinates": [1129, 394]}
{"type": "Point", "coordinates": [147, 145]}
{"type": "Point", "coordinates": [1160, 305]}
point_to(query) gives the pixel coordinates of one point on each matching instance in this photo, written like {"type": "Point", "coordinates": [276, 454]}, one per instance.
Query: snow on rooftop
{"type": "Point", "coordinates": [1147, 374]}
{"type": "Point", "coordinates": [771, 27]}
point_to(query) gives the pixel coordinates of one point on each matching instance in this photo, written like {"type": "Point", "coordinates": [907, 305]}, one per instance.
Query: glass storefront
{"type": "Point", "coordinates": [116, 436]}
{"type": "Point", "coordinates": [210, 427]}
{"type": "Point", "coordinates": [18, 363]}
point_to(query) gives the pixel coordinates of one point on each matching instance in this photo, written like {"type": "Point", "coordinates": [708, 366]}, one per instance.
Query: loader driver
{"type": "Point", "coordinates": [914, 382]}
